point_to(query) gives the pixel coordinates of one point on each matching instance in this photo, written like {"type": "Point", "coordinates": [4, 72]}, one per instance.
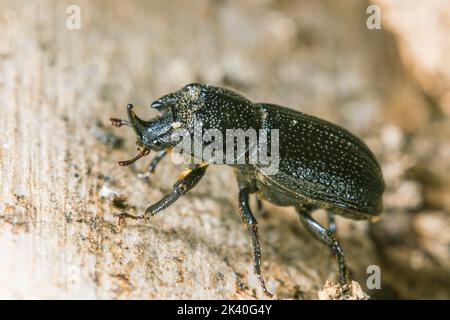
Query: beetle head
{"type": "Point", "coordinates": [184, 102]}
{"type": "Point", "coordinates": [150, 133]}
{"type": "Point", "coordinates": [175, 109]}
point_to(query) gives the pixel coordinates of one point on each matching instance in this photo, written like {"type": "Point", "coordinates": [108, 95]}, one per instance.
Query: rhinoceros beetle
{"type": "Point", "coordinates": [321, 165]}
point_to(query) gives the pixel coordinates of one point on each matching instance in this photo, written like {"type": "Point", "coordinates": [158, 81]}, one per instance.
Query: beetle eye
{"type": "Point", "coordinates": [156, 143]}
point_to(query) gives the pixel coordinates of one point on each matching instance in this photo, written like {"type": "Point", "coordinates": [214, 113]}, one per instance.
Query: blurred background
{"type": "Point", "coordinates": [61, 190]}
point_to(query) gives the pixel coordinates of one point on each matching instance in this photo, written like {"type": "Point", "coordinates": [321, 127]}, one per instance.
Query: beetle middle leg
{"type": "Point", "coordinates": [188, 180]}
{"type": "Point", "coordinates": [328, 238]}
{"type": "Point", "coordinates": [331, 222]}
{"type": "Point", "coordinates": [252, 227]}
{"type": "Point", "coordinates": [153, 164]}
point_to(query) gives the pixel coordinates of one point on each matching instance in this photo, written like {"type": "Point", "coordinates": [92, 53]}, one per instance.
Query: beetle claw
{"type": "Point", "coordinates": [263, 287]}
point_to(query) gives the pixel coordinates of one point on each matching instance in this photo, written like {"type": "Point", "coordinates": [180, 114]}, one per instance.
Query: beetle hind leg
{"type": "Point", "coordinates": [327, 237]}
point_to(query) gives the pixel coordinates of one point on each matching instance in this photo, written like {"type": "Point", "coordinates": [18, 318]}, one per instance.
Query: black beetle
{"type": "Point", "coordinates": [321, 165]}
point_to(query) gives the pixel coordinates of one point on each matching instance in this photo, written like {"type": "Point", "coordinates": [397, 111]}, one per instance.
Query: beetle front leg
{"type": "Point", "coordinates": [328, 238]}
{"type": "Point", "coordinates": [153, 164]}
{"type": "Point", "coordinates": [119, 122]}
{"type": "Point", "coordinates": [188, 180]}
{"type": "Point", "coordinates": [252, 227]}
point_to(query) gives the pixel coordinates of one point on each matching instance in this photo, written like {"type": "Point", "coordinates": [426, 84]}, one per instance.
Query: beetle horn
{"type": "Point", "coordinates": [138, 125]}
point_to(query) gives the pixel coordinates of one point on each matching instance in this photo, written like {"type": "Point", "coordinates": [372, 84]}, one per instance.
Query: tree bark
{"type": "Point", "coordinates": [62, 191]}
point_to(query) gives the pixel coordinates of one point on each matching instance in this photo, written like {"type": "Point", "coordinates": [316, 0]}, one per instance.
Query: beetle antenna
{"type": "Point", "coordinates": [119, 122]}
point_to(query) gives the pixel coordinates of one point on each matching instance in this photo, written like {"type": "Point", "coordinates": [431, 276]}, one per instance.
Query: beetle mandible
{"type": "Point", "coordinates": [321, 165]}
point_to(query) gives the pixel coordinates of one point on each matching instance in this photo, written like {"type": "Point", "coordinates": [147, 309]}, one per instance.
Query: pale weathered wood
{"type": "Point", "coordinates": [59, 232]}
